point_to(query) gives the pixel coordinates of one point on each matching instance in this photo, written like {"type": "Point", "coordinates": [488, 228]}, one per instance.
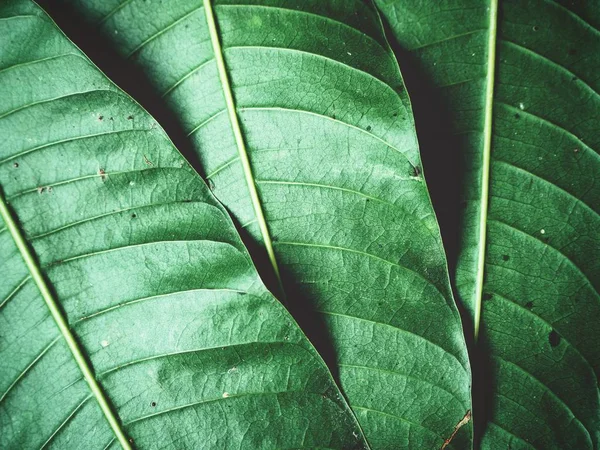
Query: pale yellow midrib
{"type": "Point", "coordinates": [485, 168]}
{"type": "Point", "coordinates": [61, 322]}
{"type": "Point", "coordinates": [241, 145]}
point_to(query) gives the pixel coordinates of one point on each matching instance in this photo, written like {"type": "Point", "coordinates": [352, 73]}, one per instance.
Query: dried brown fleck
{"type": "Point", "coordinates": [458, 426]}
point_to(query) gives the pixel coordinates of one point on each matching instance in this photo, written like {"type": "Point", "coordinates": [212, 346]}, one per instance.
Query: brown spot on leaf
{"type": "Point", "coordinates": [462, 422]}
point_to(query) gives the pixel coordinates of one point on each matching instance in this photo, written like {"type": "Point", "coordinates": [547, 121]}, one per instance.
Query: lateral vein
{"type": "Point", "coordinates": [239, 139]}
{"type": "Point", "coordinates": [61, 322]}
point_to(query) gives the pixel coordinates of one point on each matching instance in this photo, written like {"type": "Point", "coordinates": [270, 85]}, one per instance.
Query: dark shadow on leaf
{"type": "Point", "coordinates": [302, 307]}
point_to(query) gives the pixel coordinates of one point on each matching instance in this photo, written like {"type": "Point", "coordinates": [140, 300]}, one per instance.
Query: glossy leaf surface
{"type": "Point", "coordinates": [529, 268]}
{"type": "Point", "coordinates": [119, 268]}
{"type": "Point", "coordinates": [309, 94]}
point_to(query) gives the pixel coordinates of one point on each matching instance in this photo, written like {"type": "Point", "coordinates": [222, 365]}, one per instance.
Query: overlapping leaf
{"type": "Point", "coordinates": [529, 266]}
{"type": "Point", "coordinates": [128, 299]}
{"type": "Point", "coordinates": [299, 117]}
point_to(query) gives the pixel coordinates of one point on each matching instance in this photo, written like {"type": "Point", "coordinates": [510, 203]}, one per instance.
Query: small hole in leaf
{"type": "Point", "coordinates": [16, 165]}
{"type": "Point", "coordinates": [369, 128]}
{"type": "Point", "coordinates": [529, 305]}
{"type": "Point", "coordinates": [536, 28]}
{"type": "Point", "coordinates": [100, 117]}
{"type": "Point", "coordinates": [134, 215]}
{"type": "Point", "coordinates": [129, 117]}
{"type": "Point", "coordinates": [153, 404]}
{"type": "Point", "coordinates": [505, 257]}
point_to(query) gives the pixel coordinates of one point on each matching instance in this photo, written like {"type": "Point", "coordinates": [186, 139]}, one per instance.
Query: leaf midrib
{"type": "Point", "coordinates": [241, 145]}
{"type": "Point", "coordinates": [485, 172]}
{"type": "Point", "coordinates": [61, 322]}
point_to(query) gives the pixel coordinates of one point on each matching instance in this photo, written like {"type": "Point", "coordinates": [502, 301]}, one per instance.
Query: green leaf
{"type": "Point", "coordinates": [131, 311]}
{"type": "Point", "coordinates": [528, 270]}
{"type": "Point", "coordinates": [300, 121]}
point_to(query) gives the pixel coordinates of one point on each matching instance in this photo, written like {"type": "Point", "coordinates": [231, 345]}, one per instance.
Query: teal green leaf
{"type": "Point", "coordinates": [131, 312]}
{"type": "Point", "coordinates": [297, 113]}
{"type": "Point", "coordinates": [520, 83]}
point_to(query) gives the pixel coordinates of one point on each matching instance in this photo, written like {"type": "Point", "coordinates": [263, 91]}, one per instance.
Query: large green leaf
{"type": "Point", "coordinates": [529, 266]}
{"type": "Point", "coordinates": [299, 117]}
{"type": "Point", "coordinates": [128, 299]}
